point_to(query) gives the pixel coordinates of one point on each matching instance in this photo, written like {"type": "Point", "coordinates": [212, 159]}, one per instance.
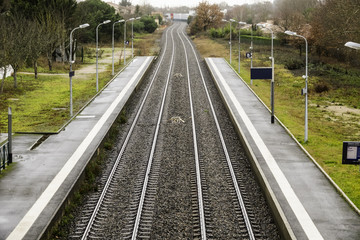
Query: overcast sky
{"type": "Point", "coordinates": [189, 3]}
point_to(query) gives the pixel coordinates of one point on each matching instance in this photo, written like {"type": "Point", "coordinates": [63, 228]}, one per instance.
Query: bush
{"type": "Point", "coordinates": [321, 87]}
{"type": "Point", "coordinates": [216, 33]}
{"type": "Point", "coordinates": [149, 24]}
{"type": "Point", "coordinates": [293, 64]}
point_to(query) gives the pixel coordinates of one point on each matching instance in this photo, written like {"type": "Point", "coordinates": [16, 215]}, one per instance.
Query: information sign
{"type": "Point", "coordinates": [351, 153]}
{"type": "Point", "coordinates": [261, 73]}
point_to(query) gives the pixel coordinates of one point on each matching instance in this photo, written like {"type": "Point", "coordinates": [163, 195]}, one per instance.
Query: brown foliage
{"type": "Point", "coordinates": [335, 23]}
{"type": "Point", "coordinates": [207, 16]}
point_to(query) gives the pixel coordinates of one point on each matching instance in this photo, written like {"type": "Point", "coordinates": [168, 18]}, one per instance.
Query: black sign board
{"type": "Point", "coordinates": [261, 73]}
{"type": "Point", "coordinates": [72, 73]}
{"type": "Point", "coordinates": [351, 153]}
{"type": "Point", "coordinates": [248, 55]}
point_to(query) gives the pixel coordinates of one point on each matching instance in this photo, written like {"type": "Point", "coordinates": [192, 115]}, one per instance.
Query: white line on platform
{"type": "Point", "coordinates": [85, 116]}
{"type": "Point", "coordinates": [28, 220]}
{"type": "Point", "coordinates": [300, 212]}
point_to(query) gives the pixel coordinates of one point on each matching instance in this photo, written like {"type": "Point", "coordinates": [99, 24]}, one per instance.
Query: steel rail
{"type": "Point", "coordinates": [197, 162]}
{"type": "Point", "coordinates": [117, 162]}
{"type": "Point", "coordinates": [151, 157]}
{"type": "Point", "coordinates": [232, 173]}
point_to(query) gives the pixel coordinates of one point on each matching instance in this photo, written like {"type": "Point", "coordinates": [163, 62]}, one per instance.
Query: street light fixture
{"type": "Point", "coordinates": [304, 90]}
{"type": "Point", "coordinates": [71, 73]}
{"type": "Point", "coordinates": [230, 21]}
{"type": "Point", "coordinates": [132, 36]}
{"type": "Point", "coordinates": [240, 23]}
{"type": "Point", "coordinates": [131, 19]}
{"type": "Point", "coordinates": [120, 21]}
{"type": "Point", "coordinates": [353, 45]}
{"type": "Point", "coordinates": [273, 71]}
{"type": "Point", "coordinates": [97, 52]}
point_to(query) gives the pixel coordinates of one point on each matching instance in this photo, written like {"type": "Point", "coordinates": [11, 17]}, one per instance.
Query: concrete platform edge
{"type": "Point", "coordinates": [280, 218]}
{"type": "Point", "coordinates": [61, 208]}
{"type": "Point", "coordinates": [338, 189]}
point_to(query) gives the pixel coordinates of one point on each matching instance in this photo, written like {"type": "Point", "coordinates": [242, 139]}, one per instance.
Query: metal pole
{"type": "Point", "coordinates": [230, 42]}
{"type": "Point", "coordinates": [125, 43]}
{"type": "Point", "coordinates": [113, 49]}
{"type": "Point", "coordinates": [97, 50]}
{"type": "Point", "coordinates": [70, 73]}
{"type": "Point", "coordinates": [239, 49]}
{"type": "Point", "coordinates": [273, 77]}
{"type": "Point", "coordinates": [132, 39]}
{"type": "Point", "coordinates": [9, 136]}
{"type": "Point", "coordinates": [306, 93]}
{"type": "Point", "coordinates": [251, 48]}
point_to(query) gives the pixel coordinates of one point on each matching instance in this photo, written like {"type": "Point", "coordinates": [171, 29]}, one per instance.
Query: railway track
{"type": "Point", "coordinates": [175, 176]}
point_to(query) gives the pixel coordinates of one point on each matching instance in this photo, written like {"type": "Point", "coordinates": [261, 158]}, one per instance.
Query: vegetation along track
{"type": "Point", "coordinates": [181, 172]}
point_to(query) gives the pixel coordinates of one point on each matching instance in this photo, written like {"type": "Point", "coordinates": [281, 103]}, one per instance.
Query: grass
{"type": "Point", "coordinates": [42, 105]}
{"type": "Point", "coordinates": [327, 129]}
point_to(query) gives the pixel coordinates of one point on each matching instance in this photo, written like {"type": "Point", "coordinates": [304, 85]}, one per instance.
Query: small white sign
{"type": "Point", "coordinates": [352, 152]}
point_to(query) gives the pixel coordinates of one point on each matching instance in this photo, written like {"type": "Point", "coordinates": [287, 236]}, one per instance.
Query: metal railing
{"type": "Point", "coordinates": [5, 158]}
{"type": "Point", "coordinates": [6, 148]}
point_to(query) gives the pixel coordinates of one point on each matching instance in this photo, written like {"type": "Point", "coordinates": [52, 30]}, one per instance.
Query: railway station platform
{"type": "Point", "coordinates": [310, 205]}
{"type": "Point", "coordinates": [41, 179]}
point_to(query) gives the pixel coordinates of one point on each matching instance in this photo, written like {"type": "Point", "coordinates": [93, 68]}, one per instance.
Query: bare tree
{"type": "Point", "coordinates": [53, 32]}
{"type": "Point", "coordinates": [335, 22]}
{"type": "Point", "coordinates": [19, 36]}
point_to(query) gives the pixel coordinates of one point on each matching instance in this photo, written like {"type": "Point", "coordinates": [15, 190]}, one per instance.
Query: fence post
{"type": "Point", "coordinates": [9, 136]}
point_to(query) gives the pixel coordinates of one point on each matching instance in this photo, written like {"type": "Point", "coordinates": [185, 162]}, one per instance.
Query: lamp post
{"type": "Point", "coordinates": [353, 45]}
{"type": "Point", "coordinates": [132, 36]}
{"type": "Point", "coordinates": [251, 48]}
{"type": "Point", "coordinates": [273, 71]}
{"type": "Point", "coordinates": [304, 90]}
{"type": "Point", "coordinates": [71, 73]}
{"type": "Point", "coordinates": [97, 52]}
{"type": "Point", "coordinates": [230, 21]}
{"type": "Point", "coordinates": [120, 21]}
{"type": "Point", "coordinates": [125, 39]}
{"type": "Point", "coordinates": [240, 23]}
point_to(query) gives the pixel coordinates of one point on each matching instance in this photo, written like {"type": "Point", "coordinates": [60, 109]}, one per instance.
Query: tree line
{"type": "Point", "coordinates": [327, 24]}
{"type": "Point", "coordinates": [30, 29]}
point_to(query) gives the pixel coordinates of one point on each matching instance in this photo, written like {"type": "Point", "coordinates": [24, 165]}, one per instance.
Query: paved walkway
{"type": "Point", "coordinates": [41, 179]}
{"type": "Point", "coordinates": [310, 203]}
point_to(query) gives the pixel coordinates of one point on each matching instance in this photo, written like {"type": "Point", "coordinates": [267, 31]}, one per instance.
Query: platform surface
{"type": "Point", "coordinates": [311, 204]}
{"type": "Point", "coordinates": [32, 192]}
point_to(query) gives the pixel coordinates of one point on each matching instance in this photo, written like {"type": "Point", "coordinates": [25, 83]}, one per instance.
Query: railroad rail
{"type": "Point", "coordinates": [130, 202]}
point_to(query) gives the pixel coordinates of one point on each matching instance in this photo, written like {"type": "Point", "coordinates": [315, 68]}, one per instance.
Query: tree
{"type": "Point", "coordinates": [149, 24]}
{"type": "Point", "coordinates": [290, 14]}
{"type": "Point", "coordinates": [94, 12]}
{"type": "Point", "coordinates": [19, 36]}
{"type": "Point", "coordinates": [137, 10]}
{"type": "Point", "coordinates": [207, 16]}
{"type": "Point", "coordinates": [53, 16]}
{"type": "Point", "coordinates": [125, 3]}
{"type": "Point", "coordinates": [334, 23]}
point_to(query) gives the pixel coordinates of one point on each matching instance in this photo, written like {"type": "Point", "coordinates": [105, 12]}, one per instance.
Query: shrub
{"type": "Point", "coordinates": [293, 64]}
{"type": "Point", "coordinates": [321, 87]}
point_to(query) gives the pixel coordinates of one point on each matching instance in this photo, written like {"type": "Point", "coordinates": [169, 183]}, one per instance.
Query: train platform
{"type": "Point", "coordinates": [311, 205]}
{"type": "Point", "coordinates": [41, 179]}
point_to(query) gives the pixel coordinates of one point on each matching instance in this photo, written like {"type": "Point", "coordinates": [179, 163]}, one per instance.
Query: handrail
{"type": "Point", "coordinates": [4, 155]}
